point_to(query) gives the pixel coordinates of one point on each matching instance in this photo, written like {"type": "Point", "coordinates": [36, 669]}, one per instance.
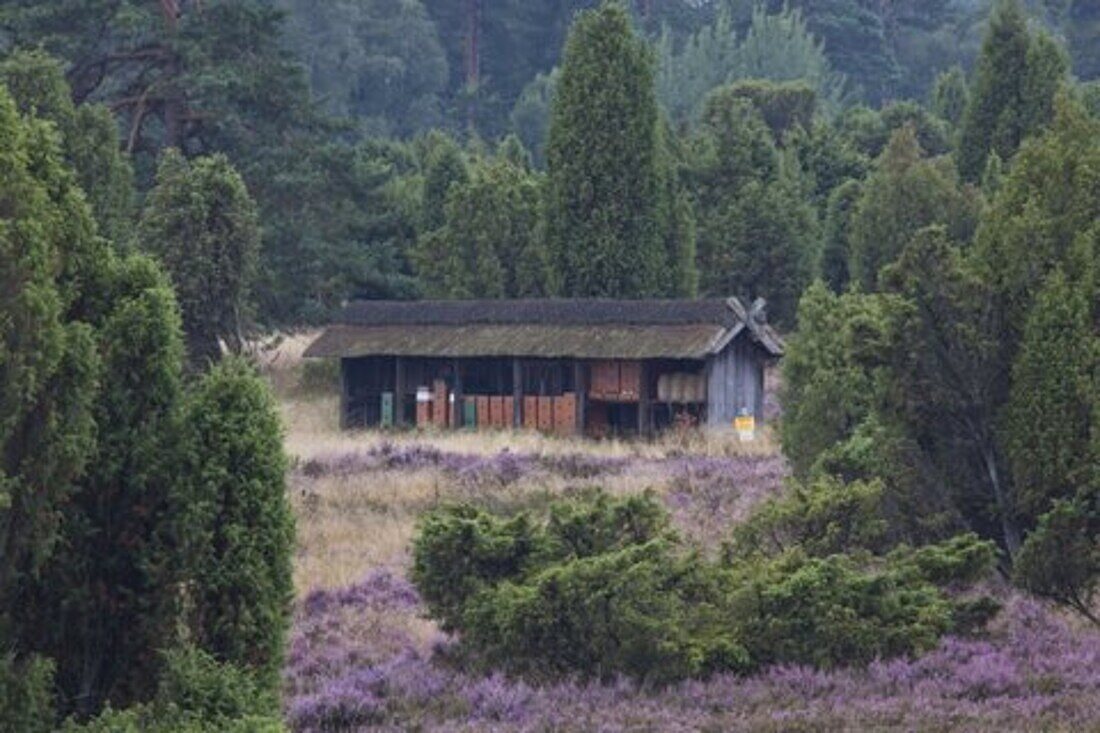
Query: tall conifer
{"type": "Point", "coordinates": [604, 208]}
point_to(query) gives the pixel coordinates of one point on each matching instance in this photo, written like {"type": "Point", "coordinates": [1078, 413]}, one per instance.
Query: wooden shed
{"type": "Point", "coordinates": [566, 366]}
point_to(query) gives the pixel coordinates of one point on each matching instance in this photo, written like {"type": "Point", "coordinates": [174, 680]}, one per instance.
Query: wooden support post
{"type": "Point", "coordinates": [517, 394]}
{"type": "Point", "coordinates": [345, 395]}
{"type": "Point", "coordinates": [399, 392]}
{"type": "Point", "coordinates": [458, 411]}
{"type": "Point", "coordinates": [581, 388]}
{"type": "Point", "coordinates": [643, 400]}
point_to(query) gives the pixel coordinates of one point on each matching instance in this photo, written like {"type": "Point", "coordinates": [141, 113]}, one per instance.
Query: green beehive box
{"type": "Point", "coordinates": [469, 413]}
{"type": "Point", "coordinates": [387, 409]}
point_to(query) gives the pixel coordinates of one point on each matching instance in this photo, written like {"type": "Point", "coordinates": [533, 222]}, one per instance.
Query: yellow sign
{"type": "Point", "coordinates": [745, 425]}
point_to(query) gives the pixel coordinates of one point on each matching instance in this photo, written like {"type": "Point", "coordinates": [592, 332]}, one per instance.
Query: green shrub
{"type": "Point", "coordinates": [196, 695]}
{"type": "Point", "coordinates": [831, 611]}
{"type": "Point", "coordinates": [460, 550]}
{"type": "Point", "coordinates": [26, 694]}
{"type": "Point", "coordinates": [823, 516]}
{"type": "Point", "coordinates": [639, 611]}
{"type": "Point", "coordinates": [603, 587]}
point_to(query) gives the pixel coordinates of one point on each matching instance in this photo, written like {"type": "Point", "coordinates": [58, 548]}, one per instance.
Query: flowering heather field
{"type": "Point", "coordinates": [362, 655]}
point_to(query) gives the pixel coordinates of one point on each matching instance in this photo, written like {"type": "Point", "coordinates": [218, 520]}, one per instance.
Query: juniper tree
{"type": "Point", "coordinates": [1015, 80]}
{"type": "Point", "coordinates": [603, 158]}
{"type": "Point", "coordinates": [202, 225]}
{"type": "Point", "coordinates": [904, 194]}
{"type": "Point", "coordinates": [48, 365]}
{"type": "Point", "coordinates": [234, 524]}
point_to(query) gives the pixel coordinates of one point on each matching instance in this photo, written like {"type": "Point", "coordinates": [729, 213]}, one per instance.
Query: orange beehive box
{"type": "Point", "coordinates": [530, 412]}
{"type": "Point", "coordinates": [546, 413]}
{"type": "Point", "coordinates": [604, 379]}
{"type": "Point", "coordinates": [509, 411]}
{"type": "Point", "coordinates": [439, 403]}
{"type": "Point", "coordinates": [423, 414]}
{"type": "Point", "coordinates": [484, 419]}
{"type": "Point", "coordinates": [496, 411]}
{"type": "Point", "coordinates": [630, 379]}
{"type": "Point", "coordinates": [565, 414]}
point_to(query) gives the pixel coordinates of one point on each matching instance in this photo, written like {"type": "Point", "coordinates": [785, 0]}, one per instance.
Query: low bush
{"type": "Point", "coordinates": [196, 694]}
{"type": "Point", "coordinates": [603, 587]}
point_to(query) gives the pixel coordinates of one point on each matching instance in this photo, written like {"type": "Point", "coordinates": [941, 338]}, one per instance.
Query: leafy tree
{"type": "Point", "coordinates": [870, 130]}
{"type": "Point", "coordinates": [202, 224]}
{"type": "Point", "coordinates": [1014, 83]}
{"type": "Point", "coordinates": [604, 193]}
{"type": "Point", "coordinates": [1083, 29]}
{"type": "Point", "coordinates": [950, 95]}
{"type": "Point", "coordinates": [854, 35]}
{"type": "Point", "coordinates": [378, 61]}
{"type": "Point", "coordinates": [531, 114]}
{"type": "Point", "coordinates": [235, 524]}
{"type": "Point", "coordinates": [783, 106]}
{"type": "Point", "coordinates": [26, 694]}
{"type": "Point", "coordinates": [905, 194]}
{"type": "Point", "coordinates": [444, 166]}
{"type": "Point", "coordinates": [490, 244]}
{"type": "Point", "coordinates": [776, 47]}
{"type": "Point", "coordinates": [755, 230]}
{"type": "Point", "coordinates": [215, 76]}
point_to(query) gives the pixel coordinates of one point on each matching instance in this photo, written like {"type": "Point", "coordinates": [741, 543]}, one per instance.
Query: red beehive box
{"type": "Point", "coordinates": [546, 413]}
{"type": "Point", "coordinates": [509, 411]}
{"type": "Point", "coordinates": [484, 419]}
{"type": "Point", "coordinates": [531, 412]}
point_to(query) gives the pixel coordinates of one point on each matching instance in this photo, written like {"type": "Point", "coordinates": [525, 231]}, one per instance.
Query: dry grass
{"type": "Point", "coordinates": [349, 525]}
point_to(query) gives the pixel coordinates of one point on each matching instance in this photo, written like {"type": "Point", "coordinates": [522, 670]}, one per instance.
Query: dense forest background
{"type": "Point", "coordinates": [350, 120]}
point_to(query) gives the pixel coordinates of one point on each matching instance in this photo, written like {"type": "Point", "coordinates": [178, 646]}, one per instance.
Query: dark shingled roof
{"type": "Point", "coordinates": [550, 311]}
{"type": "Point", "coordinates": [550, 328]}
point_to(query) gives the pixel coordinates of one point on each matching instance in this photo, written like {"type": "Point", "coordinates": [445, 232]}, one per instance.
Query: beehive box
{"type": "Point", "coordinates": [531, 412]}
{"type": "Point", "coordinates": [509, 411]}
{"type": "Point", "coordinates": [604, 380]}
{"type": "Point", "coordinates": [496, 411]}
{"type": "Point", "coordinates": [423, 414]}
{"type": "Point", "coordinates": [439, 403]}
{"type": "Point", "coordinates": [546, 414]}
{"type": "Point", "coordinates": [630, 380]}
{"type": "Point", "coordinates": [484, 415]}
{"type": "Point", "coordinates": [469, 415]}
{"type": "Point", "coordinates": [565, 414]}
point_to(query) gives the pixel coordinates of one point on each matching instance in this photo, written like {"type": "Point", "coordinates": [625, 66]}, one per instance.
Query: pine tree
{"type": "Point", "coordinates": [1014, 83]}
{"type": "Point", "coordinates": [603, 157]}
{"type": "Point", "coordinates": [203, 226]}
{"type": "Point", "coordinates": [234, 523]}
